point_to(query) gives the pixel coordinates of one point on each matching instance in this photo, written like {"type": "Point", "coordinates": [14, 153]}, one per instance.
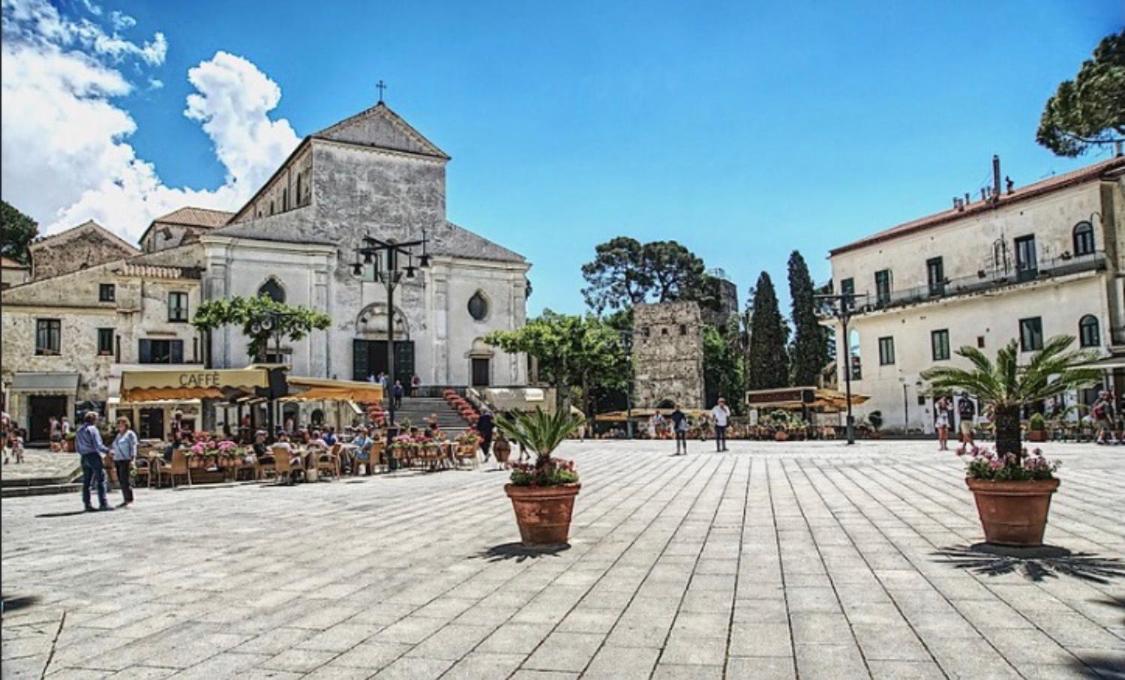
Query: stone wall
{"type": "Point", "coordinates": [668, 354]}
{"type": "Point", "coordinates": [65, 253]}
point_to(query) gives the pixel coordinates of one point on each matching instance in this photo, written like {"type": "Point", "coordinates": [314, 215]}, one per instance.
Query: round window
{"type": "Point", "coordinates": [478, 306]}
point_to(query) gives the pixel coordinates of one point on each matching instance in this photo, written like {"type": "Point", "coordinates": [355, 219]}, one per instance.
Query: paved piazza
{"type": "Point", "coordinates": [805, 560]}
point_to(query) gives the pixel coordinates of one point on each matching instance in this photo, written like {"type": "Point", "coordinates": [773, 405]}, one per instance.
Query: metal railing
{"type": "Point", "coordinates": [983, 281]}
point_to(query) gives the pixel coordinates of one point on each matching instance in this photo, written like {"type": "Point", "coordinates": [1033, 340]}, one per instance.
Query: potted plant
{"type": "Point", "coordinates": [543, 492]}
{"type": "Point", "coordinates": [779, 421]}
{"type": "Point", "coordinates": [1036, 428]}
{"type": "Point", "coordinates": [875, 420]}
{"type": "Point", "coordinates": [1012, 489]}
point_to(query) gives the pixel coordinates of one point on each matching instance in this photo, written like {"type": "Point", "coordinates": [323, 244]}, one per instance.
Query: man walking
{"type": "Point", "coordinates": [721, 416]}
{"type": "Point", "coordinates": [88, 443]}
{"type": "Point", "coordinates": [680, 427]}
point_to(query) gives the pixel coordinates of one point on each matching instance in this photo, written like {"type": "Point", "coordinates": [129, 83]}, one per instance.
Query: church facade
{"type": "Point", "coordinates": [296, 239]}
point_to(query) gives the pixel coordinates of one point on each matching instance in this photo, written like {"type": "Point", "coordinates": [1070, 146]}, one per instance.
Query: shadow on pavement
{"type": "Point", "coordinates": [12, 604]}
{"type": "Point", "coordinates": [1034, 564]}
{"type": "Point", "coordinates": [1106, 665]}
{"type": "Point", "coordinates": [519, 552]}
{"type": "Point", "coordinates": [68, 513]}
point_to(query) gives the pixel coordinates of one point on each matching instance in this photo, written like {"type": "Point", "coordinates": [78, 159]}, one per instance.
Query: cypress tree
{"type": "Point", "coordinates": [810, 351]}
{"type": "Point", "coordinates": [769, 365]}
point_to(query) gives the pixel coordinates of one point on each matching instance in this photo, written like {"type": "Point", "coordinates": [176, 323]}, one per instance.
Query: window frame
{"type": "Point", "coordinates": [174, 317]}
{"type": "Point", "coordinates": [942, 333]}
{"type": "Point", "coordinates": [105, 350]}
{"type": "Point", "coordinates": [1031, 342]}
{"type": "Point", "coordinates": [107, 292]}
{"type": "Point", "coordinates": [1085, 323]}
{"type": "Point", "coordinates": [847, 290]}
{"type": "Point", "coordinates": [887, 350]}
{"type": "Point", "coordinates": [1083, 234]}
{"type": "Point", "coordinates": [52, 328]}
{"type": "Point", "coordinates": [172, 343]}
{"type": "Point", "coordinates": [936, 286]}
{"type": "Point", "coordinates": [487, 307]}
{"type": "Point", "coordinates": [883, 297]}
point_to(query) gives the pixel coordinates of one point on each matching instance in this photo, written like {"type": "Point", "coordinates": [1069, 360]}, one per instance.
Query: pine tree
{"type": "Point", "coordinates": [769, 365]}
{"type": "Point", "coordinates": [810, 351]}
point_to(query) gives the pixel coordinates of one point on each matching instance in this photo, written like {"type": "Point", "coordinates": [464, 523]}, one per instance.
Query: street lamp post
{"type": "Point", "coordinates": [841, 307]}
{"type": "Point", "coordinates": [270, 323]}
{"type": "Point", "coordinates": [390, 254]}
{"type": "Point", "coordinates": [627, 344]}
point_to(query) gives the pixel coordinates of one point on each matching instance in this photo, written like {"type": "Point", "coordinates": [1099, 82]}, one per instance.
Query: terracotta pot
{"type": "Point", "coordinates": [502, 450]}
{"type": "Point", "coordinates": [781, 436]}
{"type": "Point", "coordinates": [1013, 513]}
{"type": "Point", "coordinates": [543, 512]}
{"type": "Point", "coordinates": [1036, 435]}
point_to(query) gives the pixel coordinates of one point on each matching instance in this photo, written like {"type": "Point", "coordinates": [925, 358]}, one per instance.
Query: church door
{"type": "Point", "coordinates": [480, 372]}
{"type": "Point", "coordinates": [369, 357]}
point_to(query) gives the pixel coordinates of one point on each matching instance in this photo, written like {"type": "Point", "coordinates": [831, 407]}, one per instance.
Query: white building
{"type": "Point", "coordinates": [1026, 263]}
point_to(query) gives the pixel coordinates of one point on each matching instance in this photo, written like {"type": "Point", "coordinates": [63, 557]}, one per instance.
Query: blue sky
{"type": "Point", "coordinates": [743, 130]}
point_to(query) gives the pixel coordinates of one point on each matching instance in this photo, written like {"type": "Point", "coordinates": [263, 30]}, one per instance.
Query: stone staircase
{"type": "Point", "coordinates": [418, 409]}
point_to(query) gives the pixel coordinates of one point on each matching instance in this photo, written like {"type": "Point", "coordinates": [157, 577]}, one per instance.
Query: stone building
{"type": "Point", "coordinates": [370, 175]}
{"type": "Point", "coordinates": [1026, 263]}
{"type": "Point", "coordinates": [67, 338]}
{"type": "Point", "coordinates": [87, 245]}
{"type": "Point", "coordinates": [668, 355]}
{"type": "Point", "coordinates": [181, 227]}
{"type": "Point", "coordinates": [13, 273]}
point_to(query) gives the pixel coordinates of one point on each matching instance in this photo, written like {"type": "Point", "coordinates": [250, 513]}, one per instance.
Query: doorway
{"type": "Point", "coordinates": [40, 411]}
{"type": "Point", "coordinates": [150, 423]}
{"type": "Point", "coordinates": [369, 358]}
{"type": "Point", "coordinates": [481, 372]}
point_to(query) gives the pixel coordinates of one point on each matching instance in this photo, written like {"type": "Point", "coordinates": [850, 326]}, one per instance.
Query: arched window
{"type": "Point", "coordinates": [1083, 238]}
{"type": "Point", "coordinates": [1088, 331]}
{"type": "Point", "coordinates": [273, 290]}
{"type": "Point", "coordinates": [478, 306]}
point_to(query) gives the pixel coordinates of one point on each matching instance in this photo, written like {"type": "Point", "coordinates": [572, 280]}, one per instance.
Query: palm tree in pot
{"type": "Point", "coordinates": [1013, 489]}
{"type": "Point", "coordinates": [543, 492]}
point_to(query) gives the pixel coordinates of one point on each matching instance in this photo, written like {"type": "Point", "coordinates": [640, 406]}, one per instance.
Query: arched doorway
{"type": "Point", "coordinates": [369, 348]}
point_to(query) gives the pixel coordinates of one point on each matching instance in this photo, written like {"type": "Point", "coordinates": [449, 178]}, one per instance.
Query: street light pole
{"type": "Point", "coordinates": [841, 306]}
{"type": "Point", "coordinates": [271, 324]}
{"type": "Point", "coordinates": [627, 343]}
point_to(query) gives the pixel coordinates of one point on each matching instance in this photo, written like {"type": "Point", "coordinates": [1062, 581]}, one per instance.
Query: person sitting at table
{"type": "Point", "coordinates": [362, 444]}
{"type": "Point", "coordinates": [329, 436]}
{"type": "Point", "coordinates": [317, 441]}
{"type": "Point", "coordinates": [260, 447]}
{"type": "Point", "coordinates": [434, 431]}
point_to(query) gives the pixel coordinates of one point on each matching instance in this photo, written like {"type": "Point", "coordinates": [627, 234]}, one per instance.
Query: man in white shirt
{"type": "Point", "coordinates": [721, 415]}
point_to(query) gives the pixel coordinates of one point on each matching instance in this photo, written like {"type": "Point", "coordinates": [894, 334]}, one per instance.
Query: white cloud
{"type": "Point", "coordinates": [65, 149]}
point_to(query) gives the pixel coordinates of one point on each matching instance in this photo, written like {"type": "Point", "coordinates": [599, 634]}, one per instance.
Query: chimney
{"type": "Point", "coordinates": [1008, 181]}
{"type": "Point", "coordinates": [983, 194]}
{"type": "Point", "coordinates": [995, 178]}
{"type": "Point", "coordinates": [967, 199]}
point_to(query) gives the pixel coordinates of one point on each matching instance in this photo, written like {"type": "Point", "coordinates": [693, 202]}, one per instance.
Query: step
{"type": "Point", "coordinates": [40, 490]}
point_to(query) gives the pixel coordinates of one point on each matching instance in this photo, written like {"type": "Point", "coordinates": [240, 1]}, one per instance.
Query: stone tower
{"type": "Point", "coordinates": [668, 354]}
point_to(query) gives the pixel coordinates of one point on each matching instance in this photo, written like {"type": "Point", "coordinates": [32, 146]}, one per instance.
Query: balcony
{"type": "Point", "coordinates": [983, 282]}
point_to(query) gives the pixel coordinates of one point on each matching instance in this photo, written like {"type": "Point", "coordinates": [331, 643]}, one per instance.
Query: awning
{"type": "Point", "coordinates": [1105, 363]}
{"type": "Point", "coordinates": [156, 403]}
{"type": "Point", "coordinates": [324, 389]}
{"type": "Point", "coordinates": [796, 398]}
{"type": "Point", "coordinates": [45, 383]}
{"type": "Point", "coordinates": [645, 414]}
{"type": "Point", "coordinates": [190, 384]}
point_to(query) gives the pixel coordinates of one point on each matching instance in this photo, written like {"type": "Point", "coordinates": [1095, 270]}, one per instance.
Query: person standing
{"type": "Point", "coordinates": [680, 427]}
{"type": "Point", "coordinates": [721, 416]}
{"type": "Point", "coordinates": [396, 393]}
{"type": "Point", "coordinates": [485, 425]}
{"type": "Point", "coordinates": [415, 383]}
{"type": "Point", "coordinates": [967, 411]}
{"type": "Point", "coordinates": [941, 421]}
{"type": "Point", "coordinates": [1102, 411]}
{"type": "Point", "coordinates": [88, 443]}
{"type": "Point", "coordinates": [124, 453]}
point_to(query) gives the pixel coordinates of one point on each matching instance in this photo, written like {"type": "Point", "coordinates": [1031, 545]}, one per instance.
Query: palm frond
{"type": "Point", "coordinates": [540, 431]}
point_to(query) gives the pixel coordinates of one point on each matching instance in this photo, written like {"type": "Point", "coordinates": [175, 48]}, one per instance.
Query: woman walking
{"type": "Point", "coordinates": [124, 453]}
{"type": "Point", "coordinates": [680, 427]}
{"type": "Point", "coordinates": [941, 421]}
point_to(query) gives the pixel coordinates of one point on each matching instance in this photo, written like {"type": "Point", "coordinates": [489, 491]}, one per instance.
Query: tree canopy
{"type": "Point", "coordinates": [572, 351]}
{"type": "Point", "coordinates": [294, 322]}
{"type": "Point", "coordinates": [626, 272]}
{"type": "Point", "coordinates": [1088, 111]}
{"type": "Point", "coordinates": [16, 232]}
{"type": "Point", "coordinates": [724, 367]}
{"type": "Point", "coordinates": [810, 346]}
{"type": "Point", "coordinates": [768, 362]}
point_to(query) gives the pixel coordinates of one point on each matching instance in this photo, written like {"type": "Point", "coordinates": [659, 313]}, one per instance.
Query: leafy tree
{"type": "Point", "coordinates": [626, 272]}
{"type": "Point", "coordinates": [16, 232]}
{"type": "Point", "coordinates": [1005, 386]}
{"type": "Point", "coordinates": [810, 347]}
{"type": "Point", "coordinates": [768, 362]}
{"type": "Point", "coordinates": [582, 352]}
{"type": "Point", "coordinates": [1088, 111]}
{"type": "Point", "coordinates": [294, 322]}
{"type": "Point", "coordinates": [724, 370]}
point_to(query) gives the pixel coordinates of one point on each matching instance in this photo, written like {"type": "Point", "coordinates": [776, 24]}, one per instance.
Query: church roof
{"type": "Point", "coordinates": [449, 240]}
{"type": "Point", "coordinates": [382, 128]}
{"type": "Point", "coordinates": [89, 226]}
{"type": "Point", "coordinates": [188, 216]}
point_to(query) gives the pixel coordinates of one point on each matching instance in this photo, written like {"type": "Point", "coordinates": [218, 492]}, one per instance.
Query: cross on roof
{"type": "Point", "coordinates": [381, 86]}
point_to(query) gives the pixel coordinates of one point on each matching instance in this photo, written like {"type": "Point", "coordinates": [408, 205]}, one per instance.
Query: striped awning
{"type": "Point", "coordinates": [45, 383]}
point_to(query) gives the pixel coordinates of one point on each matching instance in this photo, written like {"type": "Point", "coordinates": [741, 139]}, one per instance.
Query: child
{"type": "Point", "coordinates": [17, 445]}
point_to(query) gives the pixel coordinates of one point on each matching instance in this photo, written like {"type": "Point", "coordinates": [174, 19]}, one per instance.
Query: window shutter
{"type": "Point", "coordinates": [359, 360]}
{"type": "Point", "coordinates": [145, 351]}
{"type": "Point", "coordinates": [177, 351]}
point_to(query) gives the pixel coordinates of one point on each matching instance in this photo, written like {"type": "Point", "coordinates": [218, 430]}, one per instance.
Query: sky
{"type": "Point", "coordinates": [743, 130]}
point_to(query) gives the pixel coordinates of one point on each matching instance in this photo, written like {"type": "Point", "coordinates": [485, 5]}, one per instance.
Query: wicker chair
{"type": "Point", "coordinates": [170, 471]}
{"type": "Point", "coordinates": [465, 452]}
{"type": "Point", "coordinates": [327, 463]}
{"type": "Point", "coordinates": [266, 466]}
{"type": "Point", "coordinates": [287, 463]}
{"type": "Point", "coordinates": [143, 467]}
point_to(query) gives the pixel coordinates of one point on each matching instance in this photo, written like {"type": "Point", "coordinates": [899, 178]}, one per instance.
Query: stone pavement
{"type": "Point", "coordinates": [41, 464]}
{"type": "Point", "coordinates": [805, 560]}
